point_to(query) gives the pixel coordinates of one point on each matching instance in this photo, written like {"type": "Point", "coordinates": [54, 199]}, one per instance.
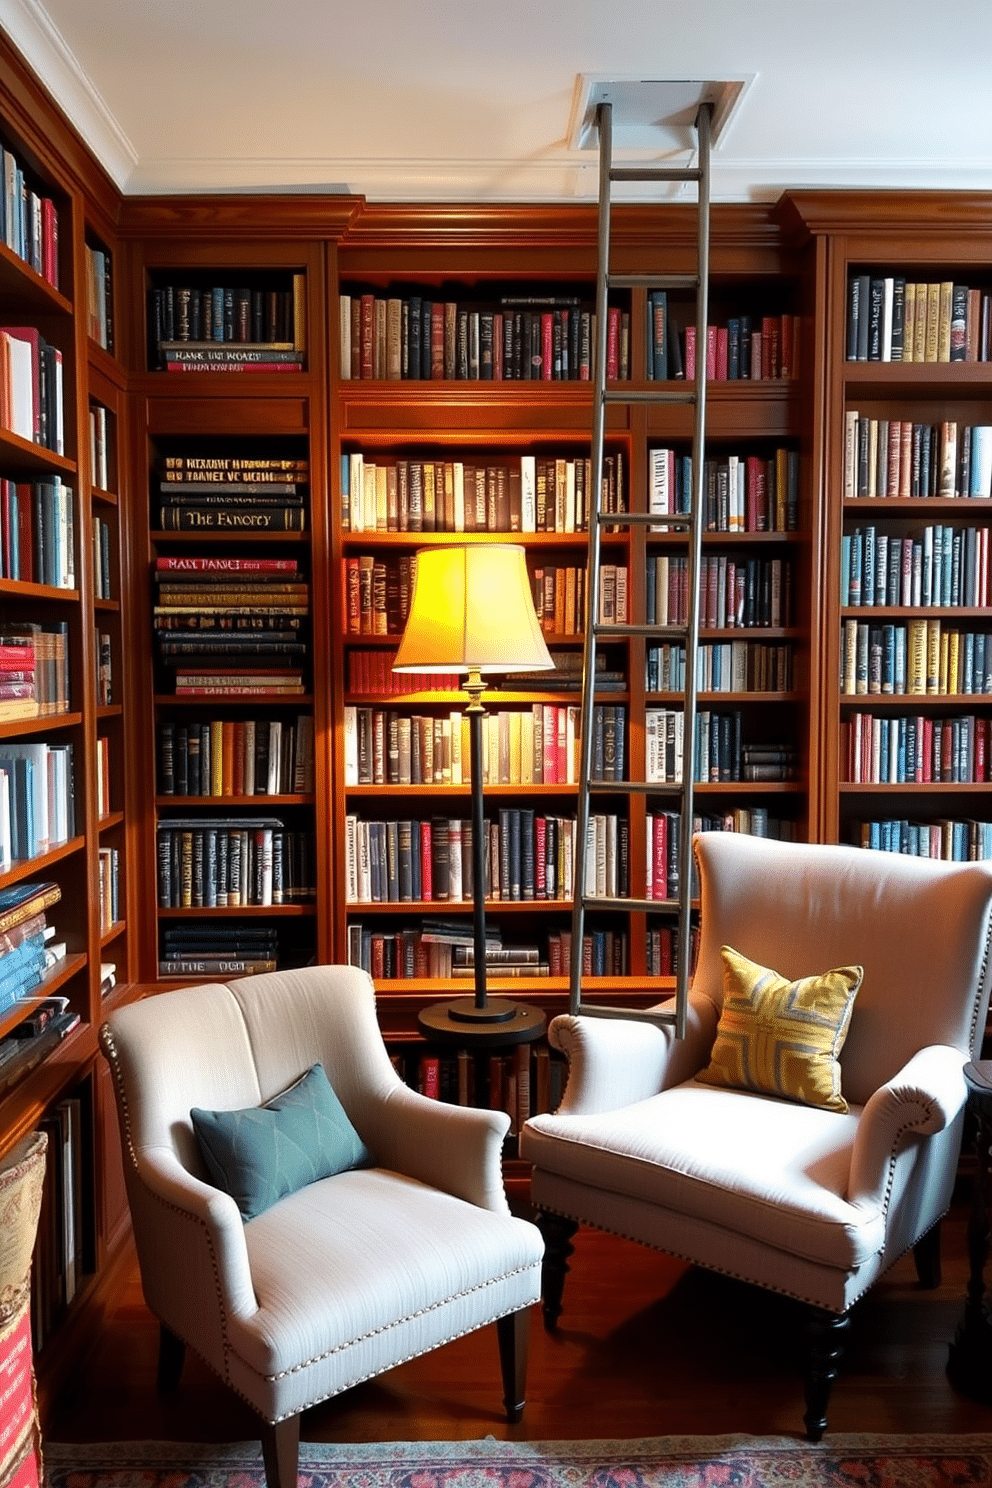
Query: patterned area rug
{"type": "Point", "coordinates": [656, 1462]}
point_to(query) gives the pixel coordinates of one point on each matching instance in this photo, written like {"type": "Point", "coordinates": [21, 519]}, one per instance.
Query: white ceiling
{"type": "Point", "coordinates": [479, 99]}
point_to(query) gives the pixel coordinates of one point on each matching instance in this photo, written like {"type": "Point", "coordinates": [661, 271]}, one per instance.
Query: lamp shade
{"type": "Point", "coordinates": [472, 610]}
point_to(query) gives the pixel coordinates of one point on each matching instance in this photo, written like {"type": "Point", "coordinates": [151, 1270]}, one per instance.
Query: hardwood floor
{"type": "Point", "coordinates": [646, 1347]}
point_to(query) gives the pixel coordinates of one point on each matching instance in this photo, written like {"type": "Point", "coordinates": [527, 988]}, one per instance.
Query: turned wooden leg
{"type": "Point", "coordinates": [281, 1452]}
{"type": "Point", "coordinates": [557, 1233]}
{"type": "Point", "coordinates": [171, 1358]}
{"type": "Point", "coordinates": [513, 1332]}
{"type": "Point", "coordinates": [926, 1254]}
{"type": "Point", "coordinates": [826, 1338]}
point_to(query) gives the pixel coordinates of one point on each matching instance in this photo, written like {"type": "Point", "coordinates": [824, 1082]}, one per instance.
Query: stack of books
{"type": "Point", "coordinates": [23, 939]}
{"type": "Point", "coordinates": [233, 493]}
{"type": "Point", "coordinates": [215, 950]}
{"type": "Point", "coordinates": [232, 625]}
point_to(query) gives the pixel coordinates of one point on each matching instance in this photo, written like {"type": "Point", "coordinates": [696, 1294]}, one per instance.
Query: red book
{"type": "Point", "coordinates": [547, 346]}
{"type": "Point", "coordinates": [659, 871]}
{"type": "Point", "coordinates": [430, 1076]}
{"type": "Point", "coordinates": [437, 341]}
{"type": "Point", "coordinates": [690, 353]}
{"type": "Point", "coordinates": [226, 565]}
{"type": "Point", "coordinates": [710, 353]}
{"type": "Point", "coordinates": [722, 353]}
{"type": "Point", "coordinates": [613, 343]}
{"type": "Point", "coordinates": [426, 882]}
{"type": "Point", "coordinates": [540, 848]}
{"type": "Point", "coordinates": [50, 241]}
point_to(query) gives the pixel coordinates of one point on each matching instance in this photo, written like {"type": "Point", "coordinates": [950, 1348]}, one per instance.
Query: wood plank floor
{"type": "Point", "coordinates": [646, 1347]}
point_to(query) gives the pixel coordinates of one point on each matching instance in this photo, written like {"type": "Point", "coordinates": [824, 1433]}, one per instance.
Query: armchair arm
{"type": "Point", "coordinates": [614, 1062]}
{"type": "Point", "coordinates": [926, 1096]}
{"type": "Point", "coordinates": [194, 1237]}
{"type": "Point", "coordinates": [458, 1149]}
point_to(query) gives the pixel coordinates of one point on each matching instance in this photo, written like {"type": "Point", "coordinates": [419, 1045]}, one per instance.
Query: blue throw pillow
{"type": "Point", "coordinates": [262, 1154]}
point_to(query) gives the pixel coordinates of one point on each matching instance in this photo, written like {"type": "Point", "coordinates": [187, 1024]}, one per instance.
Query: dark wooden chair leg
{"type": "Point", "coordinates": [926, 1254]}
{"type": "Point", "coordinates": [171, 1358]}
{"type": "Point", "coordinates": [513, 1332]}
{"type": "Point", "coordinates": [281, 1452]}
{"type": "Point", "coordinates": [557, 1232]}
{"type": "Point", "coordinates": [826, 1338]}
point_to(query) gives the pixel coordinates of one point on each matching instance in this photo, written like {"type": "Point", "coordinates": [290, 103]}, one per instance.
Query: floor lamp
{"type": "Point", "coordinates": [472, 611]}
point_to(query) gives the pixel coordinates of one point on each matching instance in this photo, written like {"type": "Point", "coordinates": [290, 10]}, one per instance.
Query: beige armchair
{"type": "Point", "coordinates": [409, 1246]}
{"type": "Point", "coordinates": [800, 1198]}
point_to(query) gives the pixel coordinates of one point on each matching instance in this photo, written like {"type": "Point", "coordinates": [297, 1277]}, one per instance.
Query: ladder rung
{"type": "Point", "coordinates": [642, 395]}
{"type": "Point", "coordinates": [646, 632]}
{"type": "Point", "coordinates": [632, 1015]}
{"type": "Point", "coordinates": [645, 519]}
{"type": "Point", "coordinates": [635, 788]}
{"type": "Point", "coordinates": [654, 173]}
{"type": "Point", "coordinates": [600, 901]}
{"type": "Point", "coordinates": [653, 281]}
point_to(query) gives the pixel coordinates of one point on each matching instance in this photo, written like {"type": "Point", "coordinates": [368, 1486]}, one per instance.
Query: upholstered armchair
{"type": "Point", "coordinates": [813, 1191]}
{"type": "Point", "coordinates": [291, 1285]}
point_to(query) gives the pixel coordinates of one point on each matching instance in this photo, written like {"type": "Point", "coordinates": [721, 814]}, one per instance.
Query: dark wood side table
{"type": "Point", "coordinates": [969, 1364]}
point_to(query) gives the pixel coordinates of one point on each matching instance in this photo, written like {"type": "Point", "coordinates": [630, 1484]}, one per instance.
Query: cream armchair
{"type": "Point", "coordinates": [812, 1202]}
{"type": "Point", "coordinates": [347, 1276]}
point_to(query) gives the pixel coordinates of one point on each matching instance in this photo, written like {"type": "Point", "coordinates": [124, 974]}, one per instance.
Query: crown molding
{"type": "Point", "coordinates": [42, 46]}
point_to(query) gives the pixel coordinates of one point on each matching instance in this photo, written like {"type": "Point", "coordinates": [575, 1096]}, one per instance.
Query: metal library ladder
{"type": "Point", "coordinates": [679, 794]}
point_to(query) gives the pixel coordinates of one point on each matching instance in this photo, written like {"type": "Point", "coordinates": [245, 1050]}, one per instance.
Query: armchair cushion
{"type": "Point", "coordinates": [263, 1153]}
{"type": "Point", "coordinates": [780, 1037]}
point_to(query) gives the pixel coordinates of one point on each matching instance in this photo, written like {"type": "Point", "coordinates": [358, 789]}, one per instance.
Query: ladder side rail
{"type": "Point", "coordinates": [703, 124]}
{"type": "Point", "coordinates": [605, 124]}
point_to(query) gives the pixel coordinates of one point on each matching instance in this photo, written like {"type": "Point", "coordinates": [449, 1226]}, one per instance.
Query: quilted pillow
{"type": "Point", "coordinates": [265, 1152]}
{"type": "Point", "coordinates": [782, 1038]}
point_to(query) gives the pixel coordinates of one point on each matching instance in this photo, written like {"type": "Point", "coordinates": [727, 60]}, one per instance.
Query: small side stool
{"type": "Point", "coordinates": [969, 1364]}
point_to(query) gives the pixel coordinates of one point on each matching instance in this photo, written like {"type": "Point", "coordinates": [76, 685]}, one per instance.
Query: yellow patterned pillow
{"type": "Point", "coordinates": [782, 1038]}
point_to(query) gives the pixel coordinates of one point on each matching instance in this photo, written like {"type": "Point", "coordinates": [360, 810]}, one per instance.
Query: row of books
{"type": "Point", "coordinates": [903, 458]}
{"type": "Point", "coordinates": [29, 222]}
{"type": "Point", "coordinates": [223, 862]}
{"type": "Point", "coordinates": [937, 565]}
{"type": "Point", "coordinates": [741, 493]}
{"type": "Point", "coordinates": [229, 315]}
{"type": "Point", "coordinates": [883, 750]}
{"type": "Point", "coordinates": [37, 798]}
{"type": "Point", "coordinates": [376, 594]}
{"type": "Point", "coordinates": [103, 538]}
{"type": "Point", "coordinates": [524, 1082]}
{"type": "Point", "coordinates": [104, 649]}
{"type": "Point", "coordinates": [560, 597]}
{"type": "Point", "coordinates": [721, 751]}
{"type": "Point", "coordinates": [217, 950]}
{"type": "Point", "coordinates": [37, 532]}
{"type": "Point", "coordinates": [733, 593]}
{"type": "Point", "coordinates": [921, 658]}
{"type": "Point", "coordinates": [236, 757]}
{"type": "Point", "coordinates": [100, 296]}
{"type": "Point", "coordinates": [894, 319]}
{"type": "Point", "coordinates": [100, 443]}
{"type": "Point", "coordinates": [31, 404]}
{"type": "Point", "coordinates": [62, 1252]}
{"type": "Point", "coordinates": [521, 746]}
{"type": "Point", "coordinates": [746, 349]}
{"type": "Point", "coordinates": [109, 884]}
{"type": "Point", "coordinates": [34, 669]}
{"type": "Point", "coordinates": [514, 338]}
{"type": "Point", "coordinates": [958, 840]}
{"type": "Point", "coordinates": [525, 493]}
{"type": "Point", "coordinates": [722, 666]}
{"type": "Point", "coordinates": [528, 855]}
{"type": "Point", "coordinates": [28, 948]}
{"type": "Point", "coordinates": [605, 952]}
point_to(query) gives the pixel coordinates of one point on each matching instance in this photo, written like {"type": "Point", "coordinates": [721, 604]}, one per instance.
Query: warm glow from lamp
{"type": "Point", "coordinates": [472, 610]}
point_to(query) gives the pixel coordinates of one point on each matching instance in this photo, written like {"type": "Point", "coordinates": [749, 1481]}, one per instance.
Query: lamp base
{"type": "Point", "coordinates": [500, 1022]}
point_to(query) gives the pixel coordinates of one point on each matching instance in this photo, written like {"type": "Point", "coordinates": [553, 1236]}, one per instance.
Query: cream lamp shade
{"type": "Point", "coordinates": [472, 610]}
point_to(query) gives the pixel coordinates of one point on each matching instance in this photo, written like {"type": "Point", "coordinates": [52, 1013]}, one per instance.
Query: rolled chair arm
{"type": "Point", "coordinates": [926, 1096]}
{"type": "Point", "coordinates": [614, 1062]}
{"type": "Point", "coordinates": [457, 1149]}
